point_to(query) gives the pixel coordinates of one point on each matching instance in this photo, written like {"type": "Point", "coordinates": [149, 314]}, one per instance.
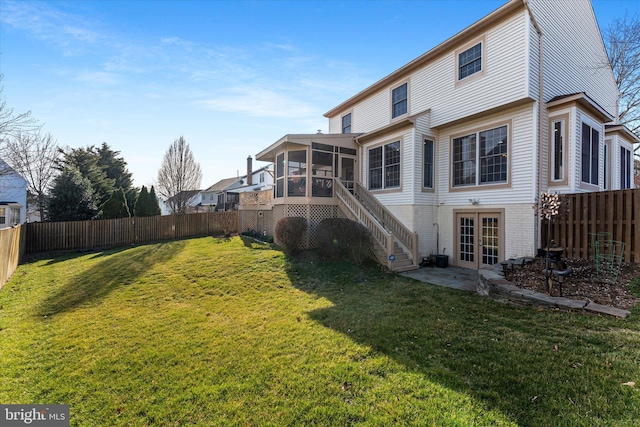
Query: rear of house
{"type": "Point", "coordinates": [457, 144]}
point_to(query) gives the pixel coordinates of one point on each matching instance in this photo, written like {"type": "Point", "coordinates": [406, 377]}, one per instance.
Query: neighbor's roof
{"type": "Point", "coordinates": [222, 184]}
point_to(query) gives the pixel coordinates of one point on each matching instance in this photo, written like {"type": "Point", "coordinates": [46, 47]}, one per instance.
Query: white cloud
{"type": "Point", "coordinates": [97, 77]}
{"type": "Point", "coordinates": [260, 102]}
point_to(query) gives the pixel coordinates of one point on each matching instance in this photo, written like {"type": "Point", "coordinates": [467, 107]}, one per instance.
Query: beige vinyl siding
{"type": "Point", "coordinates": [335, 124]}
{"type": "Point", "coordinates": [433, 86]}
{"type": "Point", "coordinates": [574, 55]}
{"type": "Point", "coordinates": [522, 142]}
{"type": "Point", "coordinates": [504, 81]}
{"type": "Point", "coordinates": [372, 113]}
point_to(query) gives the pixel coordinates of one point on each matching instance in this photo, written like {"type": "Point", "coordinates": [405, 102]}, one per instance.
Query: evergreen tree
{"type": "Point", "coordinates": [115, 169]}
{"type": "Point", "coordinates": [115, 206]}
{"type": "Point", "coordinates": [141, 207]}
{"type": "Point", "coordinates": [72, 197]}
{"type": "Point", "coordinates": [85, 160]}
{"type": "Point", "coordinates": [153, 202]}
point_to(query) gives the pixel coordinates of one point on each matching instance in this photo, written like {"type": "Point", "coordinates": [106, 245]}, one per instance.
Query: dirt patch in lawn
{"type": "Point", "coordinates": [582, 284]}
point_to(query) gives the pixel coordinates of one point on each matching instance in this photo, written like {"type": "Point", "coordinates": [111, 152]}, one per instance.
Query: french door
{"type": "Point", "coordinates": [479, 239]}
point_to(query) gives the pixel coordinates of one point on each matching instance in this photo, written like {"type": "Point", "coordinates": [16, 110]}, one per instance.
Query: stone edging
{"type": "Point", "coordinates": [492, 284]}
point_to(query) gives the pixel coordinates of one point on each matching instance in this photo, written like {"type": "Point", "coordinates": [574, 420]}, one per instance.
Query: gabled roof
{"type": "Point", "coordinates": [5, 169]}
{"type": "Point", "coordinates": [222, 185]}
{"type": "Point", "coordinates": [445, 47]}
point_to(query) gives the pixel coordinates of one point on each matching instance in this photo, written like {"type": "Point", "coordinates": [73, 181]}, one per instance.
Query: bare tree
{"type": "Point", "coordinates": [34, 156]}
{"type": "Point", "coordinates": [12, 125]}
{"type": "Point", "coordinates": [622, 41]}
{"type": "Point", "coordinates": [179, 174]}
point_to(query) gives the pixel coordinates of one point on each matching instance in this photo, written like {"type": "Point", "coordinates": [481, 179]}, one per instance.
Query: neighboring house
{"type": "Point", "coordinates": [224, 195]}
{"type": "Point", "coordinates": [450, 151]}
{"type": "Point", "coordinates": [193, 198]}
{"type": "Point", "coordinates": [13, 197]}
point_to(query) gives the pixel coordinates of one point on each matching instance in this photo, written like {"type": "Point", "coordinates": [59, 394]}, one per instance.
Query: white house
{"type": "Point", "coordinates": [224, 195]}
{"type": "Point", "coordinates": [13, 196]}
{"type": "Point", "coordinates": [450, 151]}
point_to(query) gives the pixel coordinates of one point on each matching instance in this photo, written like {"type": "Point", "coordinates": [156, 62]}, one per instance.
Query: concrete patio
{"type": "Point", "coordinates": [451, 277]}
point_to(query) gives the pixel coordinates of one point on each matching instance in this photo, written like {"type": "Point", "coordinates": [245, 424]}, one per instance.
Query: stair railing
{"type": "Point", "coordinates": [407, 238]}
{"type": "Point", "coordinates": [382, 238]}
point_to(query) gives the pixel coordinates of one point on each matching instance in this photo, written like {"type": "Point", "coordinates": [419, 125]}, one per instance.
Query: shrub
{"type": "Point", "coordinates": [289, 234]}
{"type": "Point", "coordinates": [340, 238]}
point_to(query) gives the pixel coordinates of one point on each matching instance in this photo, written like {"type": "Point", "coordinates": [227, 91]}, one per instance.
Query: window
{"type": "Point", "coordinates": [346, 123]}
{"type": "Point", "coordinates": [297, 173]}
{"type": "Point", "coordinates": [470, 61]}
{"type": "Point", "coordinates": [625, 168]}
{"type": "Point", "coordinates": [322, 160]}
{"type": "Point", "coordinates": [279, 175]}
{"type": "Point", "coordinates": [481, 158]}
{"type": "Point", "coordinates": [15, 216]}
{"type": "Point", "coordinates": [590, 154]}
{"type": "Point", "coordinates": [384, 166]}
{"type": "Point", "coordinates": [427, 163]}
{"type": "Point", "coordinates": [3, 215]}
{"type": "Point", "coordinates": [261, 177]}
{"type": "Point", "coordinates": [399, 101]}
{"type": "Point", "coordinates": [557, 151]}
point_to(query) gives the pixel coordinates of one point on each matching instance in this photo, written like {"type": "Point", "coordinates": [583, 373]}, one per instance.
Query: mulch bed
{"type": "Point", "coordinates": [582, 284]}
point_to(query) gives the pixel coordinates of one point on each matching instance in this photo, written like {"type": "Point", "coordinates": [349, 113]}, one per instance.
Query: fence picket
{"type": "Point", "coordinates": [612, 212]}
{"type": "Point", "coordinates": [105, 233]}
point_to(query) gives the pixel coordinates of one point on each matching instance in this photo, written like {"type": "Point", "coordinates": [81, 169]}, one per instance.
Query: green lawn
{"type": "Point", "coordinates": [231, 332]}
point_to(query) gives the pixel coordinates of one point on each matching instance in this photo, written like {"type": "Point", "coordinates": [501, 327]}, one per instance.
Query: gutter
{"type": "Point", "coordinates": [540, 116]}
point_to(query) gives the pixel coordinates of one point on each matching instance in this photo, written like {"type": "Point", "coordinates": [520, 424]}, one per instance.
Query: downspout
{"type": "Point", "coordinates": [538, 181]}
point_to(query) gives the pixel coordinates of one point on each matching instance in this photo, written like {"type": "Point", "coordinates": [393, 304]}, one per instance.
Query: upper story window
{"type": "Point", "coordinates": [427, 163]}
{"type": "Point", "coordinates": [470, 61]}
{"type": "Point", "coordinates": [346, 123]}
{"type": "Point", "coordinates": [625, 168]}
{"type": "Point", "coordinates": [3, 215]}
{"type": "Point", "coordinates": [590, 154]}
{"type": "Point", "coordinates": [481, 158]}
{"type": "Point", "coordinates": [384, 166]}
{"type": "Point", "coordinates": [261, 177]}
{"type": "Point", "coordinates": [399, 102]}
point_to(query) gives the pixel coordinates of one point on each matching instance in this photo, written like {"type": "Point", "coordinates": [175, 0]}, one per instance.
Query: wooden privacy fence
{"type": "Point", "coordinates": [104, 233]}
{"type": "Point", "coordinates": [615, 212]}
{"type": "Point", "coordinates": [11, 251]}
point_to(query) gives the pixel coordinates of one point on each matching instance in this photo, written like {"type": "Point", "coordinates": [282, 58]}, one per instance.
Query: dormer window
{"type": "Point", "coordinates": [399, 102]}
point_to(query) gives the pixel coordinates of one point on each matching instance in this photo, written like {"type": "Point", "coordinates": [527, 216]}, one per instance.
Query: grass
{"type": "Point", "coordinates": [233, 332]}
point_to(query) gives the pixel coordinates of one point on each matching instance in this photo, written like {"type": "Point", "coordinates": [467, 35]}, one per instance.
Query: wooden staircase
{"type": "Point", "coordinates": [394, 245]}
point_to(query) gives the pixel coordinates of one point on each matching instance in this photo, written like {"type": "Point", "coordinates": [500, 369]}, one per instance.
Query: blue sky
{"type": "Point", "coordinates": [232, 77]}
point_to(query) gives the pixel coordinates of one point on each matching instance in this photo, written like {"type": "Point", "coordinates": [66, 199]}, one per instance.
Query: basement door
{"type": "Point", "coordinates": [479, 239]}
